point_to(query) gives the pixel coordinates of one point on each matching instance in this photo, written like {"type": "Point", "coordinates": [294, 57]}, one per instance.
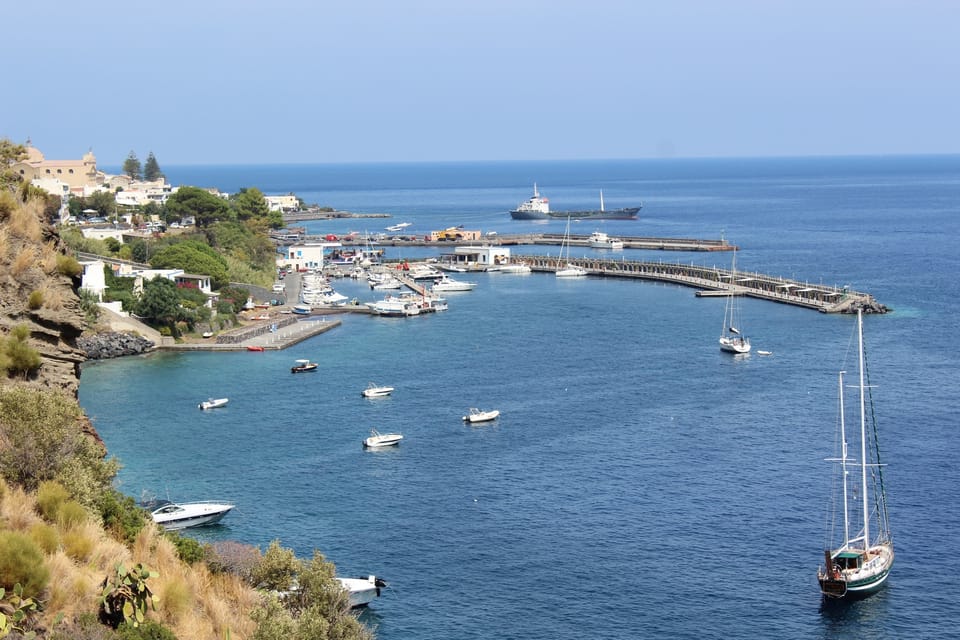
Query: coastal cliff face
{"type": "Point", "coordinates": [34, 292]}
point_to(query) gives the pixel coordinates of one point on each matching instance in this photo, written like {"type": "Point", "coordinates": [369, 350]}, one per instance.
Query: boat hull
{"type": "Point", "coordinates": [626, 213]}
{"type": "Point", "coordinates": [855, 584]}
{"type": "Point", "coordinates": [734, 345]}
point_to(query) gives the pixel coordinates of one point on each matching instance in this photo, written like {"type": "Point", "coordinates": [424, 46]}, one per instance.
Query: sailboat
{"type": "Point", "coordinates": [570, 270]}
{"type": "Point", "coordinates": [731, 339]}
{"type": "Point", "coordinates": [860, 563]}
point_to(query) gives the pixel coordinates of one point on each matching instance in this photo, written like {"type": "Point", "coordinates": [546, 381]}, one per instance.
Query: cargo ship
{"type": "Point", "coordinates": [538, 208]}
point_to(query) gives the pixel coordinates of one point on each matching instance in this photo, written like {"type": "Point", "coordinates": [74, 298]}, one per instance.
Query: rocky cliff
{"type": "Point", "coordinates": [39, 289]}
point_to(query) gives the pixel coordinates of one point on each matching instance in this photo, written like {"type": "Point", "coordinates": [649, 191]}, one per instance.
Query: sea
{"type": "Point", "coordinates": [639, 483]}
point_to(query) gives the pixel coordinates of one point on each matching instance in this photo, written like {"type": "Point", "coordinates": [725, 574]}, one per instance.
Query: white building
{"type": "Point", "coordinates": [282, 203]}
{"type": "Point", "coordinates": [303, 256]}
{"type": "Point", "coordinates": [93, 279]}
{"type": "Point", "coordinates": [478, 258]}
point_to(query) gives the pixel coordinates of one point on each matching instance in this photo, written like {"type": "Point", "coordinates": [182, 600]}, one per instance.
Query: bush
{"type": "Point", "coordinates": [68, 266]}
{"type": "Point", "coordinates": [35, 300]}
{"type": "Point", "coordinates": [21, 562]}
{"type": "Point", "coordinates": [50, 497]}
{"type": "Point", "coordinates": [21, 358]}
{"type": "Point", "coordinates": [121, 516]}
{"type": "Point", "coordinates": [71, 514]}
{"type": "Point", "coordinates": [277, 569]}
{"type": "Point", "coordinates": [78, 545]}
{"type": "Point", "coordinates": [45, 536]}
{"type": "Point", "coordinates": [149, 630]}
{"type": "Point", "coordinates": [85, 627]}
{"type": "Point", "coordinates": [235, 558]}
{"type": "Point", "coordinates": [42, 440]}
{"type": "Point", "coordinates": [188, 549]}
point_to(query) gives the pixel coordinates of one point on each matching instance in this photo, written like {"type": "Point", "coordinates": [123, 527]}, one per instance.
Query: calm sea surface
{"type": "Point", "coordinates": [639, 483]}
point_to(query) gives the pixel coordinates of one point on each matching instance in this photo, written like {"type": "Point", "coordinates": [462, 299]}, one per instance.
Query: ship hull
{"type": "Point", "coordinates": [627, 213]}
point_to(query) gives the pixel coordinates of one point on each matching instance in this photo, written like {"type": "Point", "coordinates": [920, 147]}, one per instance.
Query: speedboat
{"type": "Point", "coordinates": [446, 283]}
{"type": "Point", "coordinates": [378, 439]}
{"type": "Point", "coordinates": [600, 240]}
{"type": "Point", "coordinates": [362, 590]}
{"type": "Point", "coordinates": [172, 515]}
{"type": "Point", "coordinates": [302, 366]}
{"type": "Point", "coordinates": [376, 391]}
{"type": "Point", "coordinates": [516, 267]}
{"type": "Point", "coordinates": [476, 415]}
{"type": "Point", "coordinates": [213, 403]}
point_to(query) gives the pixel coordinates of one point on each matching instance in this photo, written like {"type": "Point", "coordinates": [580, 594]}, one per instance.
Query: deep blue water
{"type": "Point", "coordinates": [639, 483]}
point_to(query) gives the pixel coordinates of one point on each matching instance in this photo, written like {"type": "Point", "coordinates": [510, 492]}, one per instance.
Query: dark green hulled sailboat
{"type": "Point", "coordinates": [860, 563]}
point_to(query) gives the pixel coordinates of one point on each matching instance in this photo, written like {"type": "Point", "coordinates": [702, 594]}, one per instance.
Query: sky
{"type": "Point", "coordinates": [333, 81]}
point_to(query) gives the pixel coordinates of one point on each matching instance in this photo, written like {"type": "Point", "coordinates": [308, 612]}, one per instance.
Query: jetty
{"type": "Point", "coordinates": [714, 281]}
{"type": "Point", "coordinates": [508, 240]}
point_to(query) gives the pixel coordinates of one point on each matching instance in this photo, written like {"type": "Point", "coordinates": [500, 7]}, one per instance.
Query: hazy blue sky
{"type": "Point", "coordinates": [238, 81]}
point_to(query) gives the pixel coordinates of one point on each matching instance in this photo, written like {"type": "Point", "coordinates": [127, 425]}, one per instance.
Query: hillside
{"type": "Point", "coordinates": [78, 559]}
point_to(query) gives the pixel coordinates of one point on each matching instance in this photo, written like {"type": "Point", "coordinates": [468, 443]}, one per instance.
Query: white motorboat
{"type": "Point", "coordinates": [173, 515]}
{"type": "Point", "coordinates": [476, 415]}
{"type": "Point", "coordinates": [399, 227]}
{"type": "Point", "coordinates": [446, 283]}
{"type": "Point", "coordinates": [517, 267]}
{"type": "Point", "coordinates": [377, 439]}
{"type": "Point", "coordinates": [374, 390]}
{"type": "Point", "coordinates": [213, 403]}
{"type": "Point", "coordinates": [362, 590]}
{"type": "Point", "coordinates": [600, 240]}
{"type": "Point", "coordinates": [424, 272]}
{"type": "Point", "coordinates": [394, 306]}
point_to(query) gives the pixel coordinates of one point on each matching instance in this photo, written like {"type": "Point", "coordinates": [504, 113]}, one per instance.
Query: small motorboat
{"type": "Point", "coordinates": [764, 353]}
{"type": "Point", "coordinates": [173, 516]}
{"type": "Point", "coordinates": [476, 415]}
{"type": "Point", "coordinates": [378, 439]}
{"type": "Point", "coordinates": [254, 348]}
{"type": "Point", "coordinates": [302, 366]}
{"type": "Point", "coordinates": [362, 590]}
{"type": "Point", "coordinates": [207, 334]}
{"type": "Point", "coordinates": [376, 391]}
{"type": "Point", "coordinates": [213, 403]}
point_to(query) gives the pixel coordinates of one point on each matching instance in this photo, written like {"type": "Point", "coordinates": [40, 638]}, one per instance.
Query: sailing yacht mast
{"type": "Point", "coordinates": [601, 199]}
{"type": "Point", "coordinates": [843, 467]}
{"type": "Point", "coordinates": [863, 436]}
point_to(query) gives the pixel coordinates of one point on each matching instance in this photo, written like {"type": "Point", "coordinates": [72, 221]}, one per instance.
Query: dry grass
{"type": "Point", "coordinates": [194, 603]}
{"type": "Point", "coordinates": [17, 510]}
{"type": "Point", "coordinates": [24, 221]}
{"type": "Point", "coordinates": [23, 261]}
{"type": "Point", "coordinates": [52, 297]}
{"type": "Point", "coordinates": [4, 243]}
{"type": "Point", "coordinates": [48, 258]}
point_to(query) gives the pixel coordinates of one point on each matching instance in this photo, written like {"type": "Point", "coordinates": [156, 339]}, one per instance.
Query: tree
{"type": "Point", "coordinates": [131, 166]}
{"type": "Point", "coordinates": [159, 301]}
{"type": "Point", "coordinates": [250, 204]}
{"type": "Point", "coordinates": [151, 169]}
{"type": "Point", "coordinates": [205, 207]}
{"type": "Point", "coordinates": [10, 154]}
{"type": "Point", "coordinates": [193, 257]}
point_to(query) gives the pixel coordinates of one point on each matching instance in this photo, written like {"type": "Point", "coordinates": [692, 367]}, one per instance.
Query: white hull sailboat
{"type": "Point", "coordinates": [860, 564]}
{"type": "Point", "coordinates": [731, 338]}
{"type": "Point", "coordinates": [569, 270]}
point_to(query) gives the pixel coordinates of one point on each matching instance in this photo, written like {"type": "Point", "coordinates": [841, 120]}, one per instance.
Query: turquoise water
{"type": "Point", "coordinates": [639, 483]}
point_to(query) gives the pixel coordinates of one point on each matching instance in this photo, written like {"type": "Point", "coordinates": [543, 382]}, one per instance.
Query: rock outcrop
{"type": "Point", "coordinates": [114, 344]}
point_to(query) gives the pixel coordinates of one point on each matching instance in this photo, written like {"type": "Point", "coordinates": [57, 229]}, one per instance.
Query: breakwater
{"type": "Point", "coordinates": [715, 281]}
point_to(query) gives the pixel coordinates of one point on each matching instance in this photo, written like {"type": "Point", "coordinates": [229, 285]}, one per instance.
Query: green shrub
{"type": "Point", "coordinates": [188, 549]}
{"type": "Point", "coordinates": [121, 516]}
{"type": "Point", "coordinates": [51, 495]}
{"type": "Point", "coordinates": [85, 627]}
{"type": "Point", "coordinates": [228, 556]}
{"type": "Point", "coordinates": [77, 544]}
{"type": "Point", "coordinates": [68, 266]}
{"type": "Point", "coordinates": [20, 358]}
{"type": "Point", "coordinates": [21, 562]}
{"type": "Point", "coordinates": [35, 300]}
{"type": "Point", "coordinates": [149, 630]}
{"type": "Point", "coordinates": [45, 536]}
{"type": "Point", "coordinates": [42, 440]}
{"type": "Point", "coordinates": [71, 514]}
{"type": "Point", "coordinates": [277, 569]}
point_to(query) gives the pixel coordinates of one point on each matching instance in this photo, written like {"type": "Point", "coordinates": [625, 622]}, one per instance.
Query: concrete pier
{"type": "Point", "coordinates": [713, 281]}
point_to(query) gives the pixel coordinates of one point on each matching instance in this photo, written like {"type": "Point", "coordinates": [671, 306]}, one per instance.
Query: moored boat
{"type": "Point", "coordinates": [600, 240]}
{"type": "Point", "coordinates": [173, 516]}
{"type": "Point", "coordinates": [213, 403]}
{"type": "Point", "coordinates": [476, 415]}
{"type": "Point", "coordinates": [362, 590]}
{"type": "Point", "coordinates": [377, 439]}
{"type": "Point", "coordinates": [302, 366]}
{"type": "Point", "coordinates": [446, 283]}
{"type": "Point", "coordinates": [860, 564]}
{"type": "Point", "coordinates": [374, 390]}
